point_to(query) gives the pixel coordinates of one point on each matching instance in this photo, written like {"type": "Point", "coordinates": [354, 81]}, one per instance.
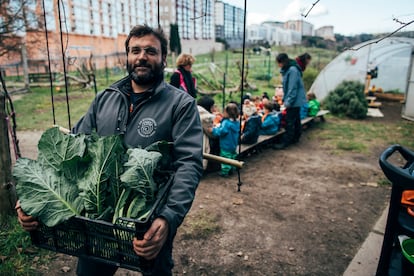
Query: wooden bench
{"type": "Point", "coordinates": [262, 140]}
{"type": "Point", "coordinates": [372, 102]}
{"type": "Point", "coordinates": [41, 77]}
{"type": "Point", "coordinates": [321, 114]}
{"type": "Point", "coordinates": [266, 139]}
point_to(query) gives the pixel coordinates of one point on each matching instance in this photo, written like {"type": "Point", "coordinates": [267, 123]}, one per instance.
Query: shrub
{"type": "Point", "coordinates": [348, 99]}
{"type": "Point", "coordinates": [309, 77]}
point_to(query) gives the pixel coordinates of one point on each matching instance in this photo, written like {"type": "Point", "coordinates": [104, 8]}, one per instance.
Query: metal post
{"type": "Point", "coordinates": [106, 70]}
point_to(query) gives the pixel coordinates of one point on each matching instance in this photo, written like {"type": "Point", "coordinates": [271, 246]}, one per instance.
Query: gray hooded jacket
{"type": "Point", "coordinates": [166, 113]}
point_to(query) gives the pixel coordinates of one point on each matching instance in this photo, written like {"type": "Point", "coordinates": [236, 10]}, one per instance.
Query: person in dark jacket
{"type": "Point", "coordinates": [293, 98]}
{"type": "Point", "coordinates": [251, 129]}
{"type": "Point", "coordinates": [145, 109]}
{"type": "Point", "coordinates": [182, 77]}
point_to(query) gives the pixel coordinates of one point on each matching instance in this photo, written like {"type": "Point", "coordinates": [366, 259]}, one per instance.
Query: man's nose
{"type": "Point", "coordinates": [142, 55]}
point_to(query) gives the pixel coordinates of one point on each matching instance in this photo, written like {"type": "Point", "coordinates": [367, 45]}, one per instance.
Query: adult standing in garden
{"type": "Point", "coordinates": [182, 77]}
{"type": "Point", "coordinates": [293, 98]}
{"type": "Point", "coordinates": [303, 61]}
{"type": "Point", "coordinates": [145, 109]}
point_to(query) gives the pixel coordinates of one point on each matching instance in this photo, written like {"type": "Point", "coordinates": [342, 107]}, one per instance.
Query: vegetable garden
{"type": "Point", "coordinates": [290, 217]}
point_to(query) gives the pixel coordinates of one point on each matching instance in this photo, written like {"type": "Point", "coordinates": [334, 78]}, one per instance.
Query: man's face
{"type": "Point", "coordinates": [144, 60]}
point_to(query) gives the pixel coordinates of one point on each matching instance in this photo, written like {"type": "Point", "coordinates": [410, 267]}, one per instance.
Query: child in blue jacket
{"type": "Point", "coordinates": [270, 120]}
{"type": "Point", "coordinates": [228, 133]}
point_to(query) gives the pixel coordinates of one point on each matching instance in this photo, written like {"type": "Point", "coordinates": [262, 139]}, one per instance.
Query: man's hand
{"type": "Point", "coordinates": [28, 223]}
{"type": "Point", "coordinates": [153, 241]}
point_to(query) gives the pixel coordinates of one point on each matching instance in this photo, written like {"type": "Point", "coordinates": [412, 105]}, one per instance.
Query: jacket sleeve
{"type": "Point", "coordinates": [187, 137]}
{"type": "Point", "coordinates": [268, 122]}
{"type": "Point", "coordinates": [88, 122]}
{"type": "Point", "coordinates": [175, 80]}
{"type": "Point", "coordinates": [292, 87]}
{"type": "Point", "coordinates": [220, 131]}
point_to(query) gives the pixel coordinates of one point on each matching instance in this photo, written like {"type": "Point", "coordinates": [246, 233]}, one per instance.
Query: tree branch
{"type": "Point", "coordinates": [382, 38]}
{"type": "Point", "coordinates": [313, 5]}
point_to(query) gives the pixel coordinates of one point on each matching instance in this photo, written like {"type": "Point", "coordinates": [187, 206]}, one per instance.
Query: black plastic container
{"type": "Point", "coordinates": [100, 240]}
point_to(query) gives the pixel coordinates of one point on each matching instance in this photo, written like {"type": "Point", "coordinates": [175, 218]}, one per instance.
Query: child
{"type": "Point", "coordinates": [228, 133]}
{"type": "Point", "coordinates": [251, 129]}
{"type": "Point", "coordinates": [248, 108]}
{"type": "Point", "coordinates": [314, 104]}
{"type": "Point", "coordinates": [304, 109]}
{"type": "Point", "coordinates": [270, 120]}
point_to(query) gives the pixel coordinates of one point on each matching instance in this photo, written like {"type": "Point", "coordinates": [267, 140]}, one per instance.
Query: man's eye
{"type": "Point", "coordinates": [151, 51]}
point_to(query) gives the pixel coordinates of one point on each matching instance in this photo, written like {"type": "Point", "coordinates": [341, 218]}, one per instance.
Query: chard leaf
{"type": "Point", "coordinates": [45, 194]}
{"type": "Point", "coordinates": [139, 170]}
{"type": "Point", "coordinates": [56, 147]}
{"type": "Point", "coordinates": [165, 148]}
{"type": "Point", "coordinates": [105, 153]}
{"type": "Point", "coordinates": [138, 177]}
{"type": "Point", "coordinates": [63, 152]}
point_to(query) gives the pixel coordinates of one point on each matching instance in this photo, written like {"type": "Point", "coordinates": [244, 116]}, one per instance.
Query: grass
{"type": "Point", "coordinates": [34, 110]}
{"type": "Point", "coordinates": [16, 252]}
{"type": "Point", "coordinates": [359, 136]}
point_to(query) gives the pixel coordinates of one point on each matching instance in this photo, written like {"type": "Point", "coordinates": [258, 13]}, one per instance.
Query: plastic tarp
{"type": "Point", "coordinates": [392, 57]}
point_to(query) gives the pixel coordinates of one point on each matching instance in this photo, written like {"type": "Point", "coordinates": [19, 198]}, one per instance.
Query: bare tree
{"type": "Point", "coordinates": [17, 17]}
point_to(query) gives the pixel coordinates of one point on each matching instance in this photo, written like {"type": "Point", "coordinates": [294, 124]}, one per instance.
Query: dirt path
{"type": "Point", "coordinates": [301, 211]}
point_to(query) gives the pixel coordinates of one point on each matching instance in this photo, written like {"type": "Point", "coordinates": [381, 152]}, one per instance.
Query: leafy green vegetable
{"type": "Point", "coordinates": [64, 153]}
{"type": "Point", "coordinates": [86, 175]}
{"type": "Point", "coordinates": [140, 187]}
{"type": "Point", "coordinates": [45, 194]}
{"type": "Point", "coordinates": [95, 186]}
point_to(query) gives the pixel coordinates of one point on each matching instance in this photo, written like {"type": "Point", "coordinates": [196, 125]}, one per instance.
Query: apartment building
{"type": "Point", "coordinates": [99, 27]}
{"type": "Point", "coordinates": [229, 23]}
{"type": "Point", "coordinates": [304, 27]}
{"type": "Point", "coordinates": [272, 32]}
{"type": "Point", "coordinates": [326, 32]}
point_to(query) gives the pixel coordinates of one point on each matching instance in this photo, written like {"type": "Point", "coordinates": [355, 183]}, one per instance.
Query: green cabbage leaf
{"type": "Point", "coordinates": [45, 194]}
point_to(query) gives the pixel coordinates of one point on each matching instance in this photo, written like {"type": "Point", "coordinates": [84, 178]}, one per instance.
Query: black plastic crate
{"type": "Point", "coordinates": [100, 240]}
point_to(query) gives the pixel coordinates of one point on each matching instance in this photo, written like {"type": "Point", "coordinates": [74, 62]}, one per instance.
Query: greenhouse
{"type": "Point", "coordinates": [393, 57]}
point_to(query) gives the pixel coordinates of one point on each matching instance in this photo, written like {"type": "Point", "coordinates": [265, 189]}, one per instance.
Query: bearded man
{"type": "Point", "coordinates": [145, 109]}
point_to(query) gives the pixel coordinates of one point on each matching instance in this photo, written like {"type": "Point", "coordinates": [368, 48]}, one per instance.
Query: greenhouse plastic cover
{"type": "Point", "coordinates": [391, 56]}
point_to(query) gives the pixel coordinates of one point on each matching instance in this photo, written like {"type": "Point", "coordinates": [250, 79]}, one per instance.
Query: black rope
{"type": "Point", "coordinates": [49, 67]}
{"type": "Point", "coordinates": [242, 91]}
{"type": "Point", "coordinates": [159, 25]}
{"type": "Point", "coordinates": [11, 114]}
{"type": "Point", "coordinates": [64, 65]}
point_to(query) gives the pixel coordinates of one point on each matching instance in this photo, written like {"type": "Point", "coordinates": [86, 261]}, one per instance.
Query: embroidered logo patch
{"type": "Point", "coordinates": [147, 127]}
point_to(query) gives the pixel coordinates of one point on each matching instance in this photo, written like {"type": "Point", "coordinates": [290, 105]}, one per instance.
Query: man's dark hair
{"type": "Point", "coordinates": [143, 30]}
{"type": "Point", "coordinates": [282, 58]}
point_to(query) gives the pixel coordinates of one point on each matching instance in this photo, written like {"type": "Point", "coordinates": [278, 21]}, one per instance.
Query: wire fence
{"type": "Point", "coordinates": [104, 66]}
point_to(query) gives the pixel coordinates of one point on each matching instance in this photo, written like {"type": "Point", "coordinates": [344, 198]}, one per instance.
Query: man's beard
{"type": "Point", "coordinates": [151, 76]}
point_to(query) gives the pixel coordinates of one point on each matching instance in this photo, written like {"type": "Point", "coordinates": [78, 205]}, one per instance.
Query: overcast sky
{"type": "Point", "coordinates": [347, 16]}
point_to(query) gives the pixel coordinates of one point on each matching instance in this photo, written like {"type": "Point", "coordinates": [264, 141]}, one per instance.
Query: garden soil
{"type": "Point", "coordinates": [304, 210]}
